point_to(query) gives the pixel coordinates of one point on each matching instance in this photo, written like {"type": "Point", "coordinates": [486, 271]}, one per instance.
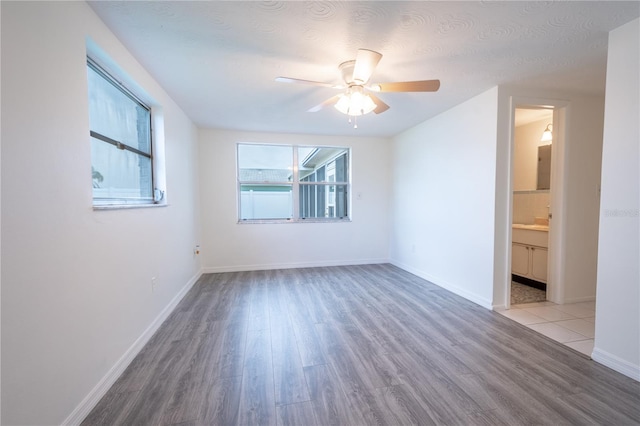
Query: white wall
{"type": "Point", "coordinates": [617, 340]}
{"type": "Point", "coordinates": [76, 290]}
{"type": "Point", "coordinates": [443, 188]}
{"type": "Point", "coordinates": [457, 234]}
{"type": "Point", "coordinates": [582, 190]}
{"type": "Point", "coordinates": [581, 175]}
{"type": "Point", "coordinates": [227, 245]}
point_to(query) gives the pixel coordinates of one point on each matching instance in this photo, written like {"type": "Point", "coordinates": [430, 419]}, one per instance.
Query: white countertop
{"type": "Point", "coordinates": [544, 228]}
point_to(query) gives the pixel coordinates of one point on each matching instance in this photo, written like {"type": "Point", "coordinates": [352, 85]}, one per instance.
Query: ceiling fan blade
{"type": "Point", "coordinates": [408, 86]}
{"type": "Point", "coordinates": [307, 82]}
{"type": "Point", "coordinates": [380, 106]}
{"type": "Point", "coordinates": [366, 62]}
{"type": "Point", "coordinates": [331, 101]}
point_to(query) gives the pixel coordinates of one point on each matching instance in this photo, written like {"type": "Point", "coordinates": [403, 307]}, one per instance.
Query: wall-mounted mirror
{"type": "Point", "coordinates": [531, 156]}
{"type": "Point", "coordinates": [544, 167]}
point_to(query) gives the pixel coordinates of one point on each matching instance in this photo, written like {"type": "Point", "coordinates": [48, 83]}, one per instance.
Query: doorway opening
{"type": "Point", "coordinates": [571, 324]}
{"type": "Point", "coordinates": [534, 116]}
{"type": "Point", "coordinates": [531, 204]}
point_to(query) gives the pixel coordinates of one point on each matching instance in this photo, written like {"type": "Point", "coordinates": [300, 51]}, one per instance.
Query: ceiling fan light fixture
{"type": "Point", "coordinates": [356, 74]}
{"type": "Point", "coordinates": [355, 102]}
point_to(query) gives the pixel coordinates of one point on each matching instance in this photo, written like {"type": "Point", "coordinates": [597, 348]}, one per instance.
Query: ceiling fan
{"type": "Point", "coordinates": [357, 98]}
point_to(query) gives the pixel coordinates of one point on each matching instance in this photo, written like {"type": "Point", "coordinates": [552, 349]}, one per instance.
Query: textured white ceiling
{"type": "Point", "coordinates": [218, 60]}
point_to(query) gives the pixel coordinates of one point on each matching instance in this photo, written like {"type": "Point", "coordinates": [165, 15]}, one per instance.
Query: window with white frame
{"type": "Point", "coordinates": [121, 146]}
{"type": "Point", "coordinates": [295, 183]}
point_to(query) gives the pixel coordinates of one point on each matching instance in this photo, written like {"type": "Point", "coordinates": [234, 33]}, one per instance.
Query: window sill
{"type": "Point", "coordinates": [128, 206]}
{"type": "Point", "coordinates": [279, 221]}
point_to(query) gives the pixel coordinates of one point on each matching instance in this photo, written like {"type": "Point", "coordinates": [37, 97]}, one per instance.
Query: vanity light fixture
{"type": "Point", "coordinates": [547, 135]}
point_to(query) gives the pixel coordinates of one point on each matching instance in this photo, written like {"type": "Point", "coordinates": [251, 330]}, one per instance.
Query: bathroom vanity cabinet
{"type": "Point", "coordinates": [529, 251]}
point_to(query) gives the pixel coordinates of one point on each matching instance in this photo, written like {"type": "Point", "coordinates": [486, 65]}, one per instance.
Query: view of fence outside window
{"type": "Point", "coordinates": [120, 124]}
{"type": "Point", "coordinates": [284, 182]}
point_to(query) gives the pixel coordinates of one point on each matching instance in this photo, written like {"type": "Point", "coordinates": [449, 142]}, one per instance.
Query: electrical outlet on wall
{"type": "Point", "coordinates": [154, 283]}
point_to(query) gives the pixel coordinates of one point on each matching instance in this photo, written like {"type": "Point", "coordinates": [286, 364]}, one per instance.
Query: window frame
{"type": "Point", "coordinates": [296, 185]}
{"type": "Point", "coordinates": [157, 196]}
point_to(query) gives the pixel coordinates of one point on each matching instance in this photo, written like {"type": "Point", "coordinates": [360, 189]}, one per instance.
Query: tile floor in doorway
{"type": "Point", "coordinates": [572, 324]}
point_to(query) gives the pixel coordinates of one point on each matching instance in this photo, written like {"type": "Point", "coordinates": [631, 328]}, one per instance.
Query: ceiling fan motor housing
{"type": "Point", "coordinates": [346, 68]}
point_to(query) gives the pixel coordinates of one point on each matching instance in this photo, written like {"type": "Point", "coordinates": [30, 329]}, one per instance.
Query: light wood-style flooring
{"type": "Point", "coordinates": [355, 345]}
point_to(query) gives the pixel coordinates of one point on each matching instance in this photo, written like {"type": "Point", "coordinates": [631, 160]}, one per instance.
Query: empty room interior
{"type": "Point", "coordinates": [315, 213]}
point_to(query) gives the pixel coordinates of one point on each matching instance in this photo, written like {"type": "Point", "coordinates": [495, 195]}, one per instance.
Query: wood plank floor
{"type": "Point", "coordinates": [355, 345]}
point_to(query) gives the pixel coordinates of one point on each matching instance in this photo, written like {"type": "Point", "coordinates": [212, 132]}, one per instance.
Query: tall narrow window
{"type": "Point", "coordinates": [121, 148]}
{"type": "Point", "coordinates": [293, 183]}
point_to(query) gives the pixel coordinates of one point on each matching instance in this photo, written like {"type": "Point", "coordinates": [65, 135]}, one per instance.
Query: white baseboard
{"type": "Point", "coordinates": [91, 400]}
{"type": "Point", "coordinates": [502, 307]}
{"type": "Point", "coordinates": [616, 363]}
{"type": "Point", "coordinates": [579, 299]}
{"type": "Point", "coordinates": [269, 266]}
{"type": "Point", "coordinates": [485, 303]}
